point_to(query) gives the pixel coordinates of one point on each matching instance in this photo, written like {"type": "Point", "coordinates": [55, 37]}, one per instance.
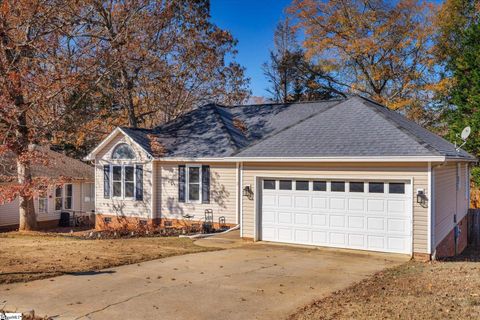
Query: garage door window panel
{"type": "Point", "coordinates": [376, 187]}
{"type": "Point", "coordinates": [396, 188]}
{"type": "Point", "coordinates": [285, 184]}
{"type": "Point", "coordinates": [356, 186]}
{"type": "Point", "coordinates": [338, 186]}
{"type": "Point", "coordinates": [319, 185]}
{"type": "Point", "coordinates": [301, 185]}
{"type": "Point", "coordinates": [269, 184]}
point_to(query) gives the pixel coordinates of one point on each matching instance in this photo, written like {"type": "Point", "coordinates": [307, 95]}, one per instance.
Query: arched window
{"type": "Point", "coordinates": [123, 151]}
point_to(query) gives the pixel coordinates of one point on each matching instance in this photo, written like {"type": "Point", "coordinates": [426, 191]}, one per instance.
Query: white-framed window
{"type": "Point", "coordinates": [117, 181]}
{"type": "Point", "coordinates": [89, 192]}
{"type": "Point", "coordinates": [58, 198]}
{"type": "Point", "coordinates": [68, 199]}
{"type": "Point", "coordinates": [64, 197]}
{"type": "Point", "coordinates": [128, 181]}
{"type": "Point", "coordinates": [194, 183]}
{"type": "Point", "coordinates": [42, 201]}
{"type": "Point", "coordinates": [123, 181]}
{"type": "Point", "coordinates": [123, 151]}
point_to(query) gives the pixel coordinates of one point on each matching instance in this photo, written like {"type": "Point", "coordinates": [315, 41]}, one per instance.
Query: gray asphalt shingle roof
{"type": "Point", "coordinates": [342, 128]}
{"type": "Point", "coordinates": [57, 165]}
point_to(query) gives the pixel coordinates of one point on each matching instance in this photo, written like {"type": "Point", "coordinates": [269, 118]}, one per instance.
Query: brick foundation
{"type": "Point", "coordinates": [419, 256]}
{"type": "Point", "coordinates": [106, 222]}
{"type": "Point", "coordinates": [133, 223]}
{"type": "Point", "coordinates": [446, 248]}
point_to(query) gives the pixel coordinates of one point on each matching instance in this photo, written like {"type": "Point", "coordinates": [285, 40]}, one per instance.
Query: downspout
{"type": "Point", "coordinates": [240, 188]}
{"type": "Point", "coordinates": [237, 199]}
{"type": "Point", "coordinates": [431, 228]}
{"type": "Point", "coordinates": [456, 229]}
{"type": "Point", "coordinates": [82, 197]}
{"type": "Point", "coordinates": [153, 197]}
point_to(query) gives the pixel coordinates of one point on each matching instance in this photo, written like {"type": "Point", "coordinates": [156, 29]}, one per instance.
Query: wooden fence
{"type": "Point", "coordinates": [473, 234]}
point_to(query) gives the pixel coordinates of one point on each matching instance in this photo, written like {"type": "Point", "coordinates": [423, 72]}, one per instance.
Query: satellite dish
{"type": "Point", "coordinates": [465, 133]}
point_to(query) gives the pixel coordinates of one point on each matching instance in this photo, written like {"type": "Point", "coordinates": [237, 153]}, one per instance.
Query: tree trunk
{"type": "Point", "coordinates": [28, 219]}
{"type": "Point", "coordinates": [285, 86]}
{"type": "Point", "coordinates": [132, 118]}
{"type": "Point", "coordinates": [128, 86]}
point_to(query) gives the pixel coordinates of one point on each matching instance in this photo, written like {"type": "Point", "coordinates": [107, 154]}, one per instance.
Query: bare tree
{"type": "Point", "coordinates": [162, 58]}
{"type": "Point", "coordinates": [291, 76]}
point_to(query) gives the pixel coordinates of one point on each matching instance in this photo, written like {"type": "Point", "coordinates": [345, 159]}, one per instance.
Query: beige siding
{"type": "Point", "coordinates": [448, 198]}
{"type": "Point", "coordinates": [418, 172]}
{"type": "Point", "coordinates": [9, 212]}
{"type": "Point", "coordinates": [131, 208]}
{"type": "Point", "coordinates": [222, 193]}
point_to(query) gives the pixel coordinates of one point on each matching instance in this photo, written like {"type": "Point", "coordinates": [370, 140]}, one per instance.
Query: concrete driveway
{"type": "Point", "coordinates": [255, 281]}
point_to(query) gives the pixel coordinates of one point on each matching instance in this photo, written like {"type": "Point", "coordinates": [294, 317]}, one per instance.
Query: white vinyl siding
{"type": "Point", "coordinates": [119, 206]}
{"type": "Point", "coordinates": [451, 187]}
{"type": "Point", "coordinates": [223, 192]}
{"type": "Point", "coordinates": [9, 212]}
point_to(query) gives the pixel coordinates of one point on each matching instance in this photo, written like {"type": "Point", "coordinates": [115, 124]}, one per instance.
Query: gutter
{"type": "Point", "coordinates": [306, 159]}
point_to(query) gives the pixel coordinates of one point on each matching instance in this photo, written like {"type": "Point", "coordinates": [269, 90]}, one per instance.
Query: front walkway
{"type": "Point", "coordinates": [256, 281]}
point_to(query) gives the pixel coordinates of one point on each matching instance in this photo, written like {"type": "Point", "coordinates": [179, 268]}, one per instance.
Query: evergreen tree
{"type": "Point", "coordinates": [465, 93]}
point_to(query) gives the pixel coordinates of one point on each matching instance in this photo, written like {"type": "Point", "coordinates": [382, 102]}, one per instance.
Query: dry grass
{"type": "Point", "coordinates": [31, 256]}
{"type": "Point", "coordinates": [439, 290]}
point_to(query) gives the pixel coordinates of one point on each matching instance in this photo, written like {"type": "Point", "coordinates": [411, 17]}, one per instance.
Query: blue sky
{"type": "Point", "coordinates": [252, 23]}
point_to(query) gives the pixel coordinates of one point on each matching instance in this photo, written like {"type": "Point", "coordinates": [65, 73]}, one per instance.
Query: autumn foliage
{"type": "Point", "coordinates": [381, 49]}
{"type": "Point", "coordinates": [71, 71]}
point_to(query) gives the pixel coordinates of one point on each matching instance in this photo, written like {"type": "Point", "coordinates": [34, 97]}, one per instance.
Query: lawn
{"type": "Point", "coordinates": [415, 290]}
{"type": "Point", "coordinates": [35, 255]}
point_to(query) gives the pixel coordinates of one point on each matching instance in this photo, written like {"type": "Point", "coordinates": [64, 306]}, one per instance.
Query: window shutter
{"type": "Point", "coordinates": [181, 183]}
{"type": "Point", "coordinates": [205, 184]}
{"type": "Point", "coordinates": [138, 182]}
{"type": "Point", "coordinates": [106, 181]}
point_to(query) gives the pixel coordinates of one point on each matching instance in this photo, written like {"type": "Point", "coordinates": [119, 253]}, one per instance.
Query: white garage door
{"type": "Point", "coordinates": [367, 215]}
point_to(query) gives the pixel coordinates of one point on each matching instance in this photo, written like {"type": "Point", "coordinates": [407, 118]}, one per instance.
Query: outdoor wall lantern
{"type": "Point", "coordinates": [248, 192]}
{"type": "Point", "coordinates": [422, 198]}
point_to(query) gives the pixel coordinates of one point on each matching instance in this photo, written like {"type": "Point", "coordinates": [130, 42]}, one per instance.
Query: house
{"type": "Point", "coordinates": [75, 196]}
{"type": "Point", "coordinates": [344, 173]}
